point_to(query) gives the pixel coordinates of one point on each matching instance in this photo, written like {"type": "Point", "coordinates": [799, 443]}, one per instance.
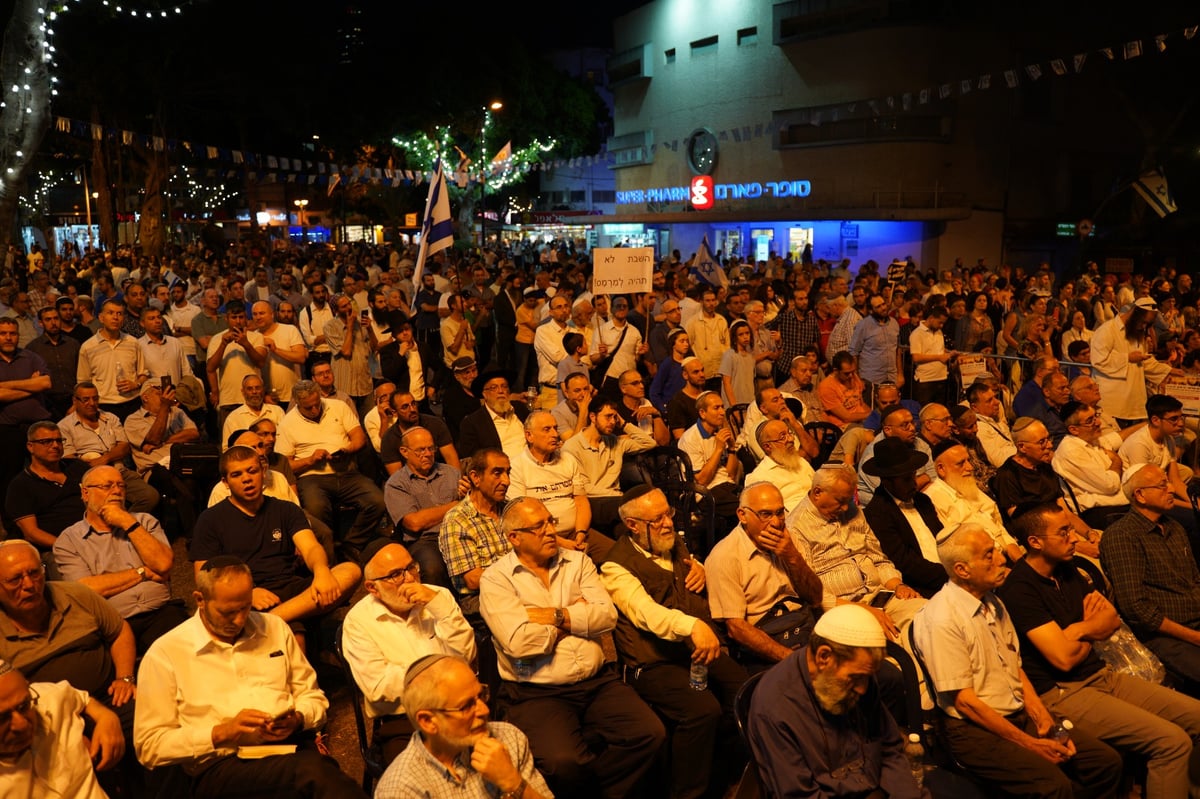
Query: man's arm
{"type": "Point", "coordinates": [975, 710]}
{"type": "Point", "coordinates": [756, 640]}
{"type": "Point", "coordinates": [1067, 647]}
{"type": "Point", "coordinates": [124, 656]}
{"type": "Point", "coordinates": [34, 534]}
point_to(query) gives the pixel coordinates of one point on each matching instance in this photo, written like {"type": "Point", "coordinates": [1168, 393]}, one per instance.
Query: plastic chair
{"type": "Point", "coordinates": [670, 471]}
{"type": "Point", "coordinates": [826, 435]}
{"type": "Point", "coordinates": [372, 756]}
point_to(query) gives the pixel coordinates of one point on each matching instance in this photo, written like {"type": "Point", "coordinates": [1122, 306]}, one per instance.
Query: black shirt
{"type": "Point", "coordinates": [263, 541]}
{"type": "Point", "coordinates": [56, 507]}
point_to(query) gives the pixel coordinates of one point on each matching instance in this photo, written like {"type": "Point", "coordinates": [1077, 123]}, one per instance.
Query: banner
{"type": "Point", "coordinates": [622, 270]}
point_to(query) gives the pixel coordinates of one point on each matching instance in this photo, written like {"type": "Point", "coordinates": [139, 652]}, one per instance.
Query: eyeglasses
{"type": "Point", "coordinates": [1091, 421]}
{"type": "Point", "coordinates": [1174, 418]}
{"type": "Point", "coordinates": [22, 709]}
{"type": "Point", "coordinates": [636, 383]}
{"type": "Point", "coordinates": [662, 518]}
{"type": "Point", "coordinates": [780, 440]}
{"type": "Point", "coordinates": [768, 514]}
{"type": "Point", "coordinates": [420, 450]}
{"type": "Point", "coordinates": [1044, 441]}
{"type": "Point", "coordinates": [939, 419]}
{"type": "Point", "coordinates": [106, 486]}
{"type": "Point", "coordinates": [17, 580]}
{"type": "Point", "coordinates": [46, 441]}
{"type": "Point", "coordinates": [402, 575]}
{"type": "Point", "coordinates": [484, 695]}
{"type": "Point", "coordinates": [1061, 536]}
{"type": "Point", "coordinates": [549, 521]}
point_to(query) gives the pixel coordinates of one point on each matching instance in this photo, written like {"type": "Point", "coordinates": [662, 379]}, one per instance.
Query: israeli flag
{"type": "Point", "coordinates": [708, 268]}
{"type": "Point", "coordinates": [1152, 186]}
{"type": "Point", "coordinates": [437, 231]}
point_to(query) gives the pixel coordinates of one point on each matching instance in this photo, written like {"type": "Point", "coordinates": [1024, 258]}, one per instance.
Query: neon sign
{"type": "Point", "coordinates": [720, 191]}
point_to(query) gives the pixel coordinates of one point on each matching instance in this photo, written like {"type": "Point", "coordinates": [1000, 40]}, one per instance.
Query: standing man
{"type": "Point", "coordinates": [623, 342]}
{"type": "Point", "coordinates": [113, 361]}
{"type": "Point", "coordinates": [232, 355]}
{"type": "Point", "coordinates": [709, 335]}
{"type": "Point", "coordinates": [61, 354]}
{"type": "Point", "coordinates": [548, 345]}
{"type": "Point", "coordinates": [1123, 364]}
{"type": "Point", "coordinates": [352, 343]}
{"type": "Point", "coordinates": [182, 721]}
{"type": "Point", "coordinates": [162, 355]}
{"type": "Point", "coordinates": [798, 330]}
{"type": "Point", "coordinates": [875, 343]}
{"type": "Point", "coordinates": [180, 313]}
{"type": "Point", "coordinates": [927, 345]}
{"type": "Point", "coordinates": [285, 352]}
{"type": "Point", "coordinates": [312, 319]}
{"type": "Point", "coordinates": [546, 607]}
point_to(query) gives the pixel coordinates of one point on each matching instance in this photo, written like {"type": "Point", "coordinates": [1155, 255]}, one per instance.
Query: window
{"type": "Point", "coordinates": [669, 56]}
{"type": "Point", "coordinates": [747, 36]}
{"type": "Point", "coordinates": [704, 46]}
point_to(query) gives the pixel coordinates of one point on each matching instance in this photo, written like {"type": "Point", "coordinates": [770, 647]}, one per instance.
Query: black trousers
{"type": "Point", "coordinates": [593, 734]}
{"type": "Point", "coordinates": [307, 773]}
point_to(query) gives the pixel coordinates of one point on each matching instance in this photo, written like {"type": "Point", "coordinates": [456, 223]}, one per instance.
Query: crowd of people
{"type": "Point", "coordinates": [450, 466]}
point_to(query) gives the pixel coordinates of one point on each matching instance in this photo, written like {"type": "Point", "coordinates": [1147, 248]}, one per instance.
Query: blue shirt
{"type": "Point", "coordinates": [407, 492]}
{"type": "Point", "coordinates": [874, 345]}
{"type": "Point", "coordinates": [28, 409]}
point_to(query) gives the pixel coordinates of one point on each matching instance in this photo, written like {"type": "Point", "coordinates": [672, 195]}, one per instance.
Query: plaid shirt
{"type": "Point", "coordinates": [469, 540]}
{"type": "Point", "coordinates": [794, 335]}
{"type": "Point", "coordinates": [1152, 571]}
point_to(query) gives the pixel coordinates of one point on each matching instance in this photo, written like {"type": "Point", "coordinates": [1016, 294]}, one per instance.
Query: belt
{"type": "Point", "coordinates": [550, 385]}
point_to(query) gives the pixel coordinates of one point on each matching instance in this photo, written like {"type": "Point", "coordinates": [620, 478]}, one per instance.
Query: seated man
{"type": "Point", "coordinates": [601, 449]}
{"type": "Point", "coordinates": [407, 416]}
{"type": "Point", "coordinates": [320, 438]}
{"type": "Point", "coordinates": [1157, 442]}
{"type": "Point", "coordinates": [254, 408]}
{"type": "Point", "coordinates": [470, 538]}
{"type": "Point", "coordinates": [44, 498]}
{"type": "Point", "coordinates": [842, 392]}
{"type": "Point", "coordinates": [542, 471]}
{"type": "Point", "coordinates": [771, 404]}
{"type": "Point", "coordinates": [453, 735]}
{"type": "Point", "coordinates": [1048, 406]}
{"type": "Point", "coordinates": [44, 751]}
{"type": "Point", "coordinates": [966, 430]}
{"type": "Point", "coordinates": [833, 537]}
{"type": "Point", "coordinates": [902, 518]}
{"type": "Point", "coordinates": [1085, 389]}
{"type": "Point", "coordinates": [681, 409]}
{"type": "Point", "coordinates": [98, 438]}
{"type": "Point", "coordinates": [636, 409]}
{"type": "Point", "coordinates": [995, 724]}
{"type": "Point", "coordinates": [1059, 615]}
{"type": "Point", "coordinates": [54, 630]}
{"type": "Point", "coordinates": [227, 678]}
{"type": "Point", "coordinates": [663, 631]}
{"type": "Point", "coordinates": [418, 497]}
{"type": "Point", "coordinates": [499, 423]}
{"type": "Point", "coordinates": [546, 607]}
{"type": "Point", "coordinates": [1027, 479]}
{"type": "Point", "coordinates": [1155, 580]}
{"type": "Point", "coordinates": [399, 621]}
{"type": "Point", "coordinates": [377, 421]}
{"type": "Point", "coordinates": [458, 398]}
{"type": "Point", "coordinates": [708, 445]}
{"type": "Point", "coordinates": [995, 437]}
{"type": "Point", "coordinates": [122, 556]}
{"type": "Point", "coordinates": [151, 431]}
{"type": "Point", "coordinates": [1092, 472]}
{"type": "Point", "coordinates": [756, 574]}
{"type": "Point", "coordinates": [266, 533]}
{"type": "Point", "coordinates": [898, 424]}
{"type": "Point", "coordinates": [571, 412]}
{"type": "Point", "coordinates": [1031, 391]}
{"type": "Point", "coordinates": [783, 466]}
{"type": "Point", "coordinates": [827, 690]}
{"type": "Point", "coordinates": [958, 499]}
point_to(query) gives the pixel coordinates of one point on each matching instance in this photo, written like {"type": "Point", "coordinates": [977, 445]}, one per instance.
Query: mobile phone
{"type": "Point", "coordinates": [165, 382]}
{"type": "Point", "coordinates": [364, 315]}
{"type": "Point", "coordinates": [882, 598]}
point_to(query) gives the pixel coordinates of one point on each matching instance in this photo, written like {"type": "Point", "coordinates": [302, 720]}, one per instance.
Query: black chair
{"type": "Point", "coordinates": [670, 471]}
{"type": "Point", "coordinates": [736, 417]}
{"type": "Point", "coordinates": [826, 435]}
{"type": "Point", "coordinates": [752, 782]}
{"type": "Point", "coordinates": [372, 756]}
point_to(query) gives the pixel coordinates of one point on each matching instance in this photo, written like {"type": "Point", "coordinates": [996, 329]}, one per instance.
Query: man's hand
{"type": "Point", "coordinates": [262, 599]}
{"type": "Point", "coordinates": [418, 594]}
{"type": "Point", "coordinates": [906, 592]}
{"type": "Point", "coordinates": [115, 515]}
{"type": "Point", "coordinates": [1086, 548]}
{"type": "Point", "coordinates": [492, 761]}
{"type": "Point", "coordinates": [108, 743]}
{"type": "Point", "coordinates": [246, 728]}
{"type": "Point", "coordinates": [156, 577]}
{"type": "Point", "coordinates": [1100, 613]}
{"type": "Point", "coordinates": [724, 437]}
{"type": "Point", "coordinates": [541, 615]}
{"type": "Point", "coordinates": [777, 542]}
{"type": "Point", "coordinates": [885, 621]}
{"type": "Point", "coordinates": [464, 485]}
{"type": "Point", "coordinates": [644, 411]}
{"type": "Point", "coordinates": [695, 580]}
{"type": "Point", "coordinates": [121, 692]}
{"type": "Point", "coordinates": [320, 456]}
{"type": "Point", "coordinates": [324, 589]}
{"type": "Point", "coordinates": [577, 542]}
{"type": "Point", "coordinates": [1051, 749]}
{"type": "Point", "coordinates": [707, 647]}
{"type": "Point", "coordinates": [282, 726]}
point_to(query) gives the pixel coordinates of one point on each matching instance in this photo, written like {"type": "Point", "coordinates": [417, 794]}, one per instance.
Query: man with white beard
{"type": "Point", "coordinates": [958, 500]}
{"type": "Point", "coordinates": [783, 466]}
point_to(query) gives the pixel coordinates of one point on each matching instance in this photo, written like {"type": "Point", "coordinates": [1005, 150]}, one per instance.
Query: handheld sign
{"type": "Point", "coordinates": [622, 270]}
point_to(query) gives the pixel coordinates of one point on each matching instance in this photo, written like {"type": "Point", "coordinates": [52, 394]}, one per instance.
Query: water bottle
{"type": "Point", "coordinates": [914, 752]}
{"type": "Point", "coordinates": [698, 677]}
{"type": "Point", "coordinates": [524, 669]}
{"type": "Point", "coordinates": [1061, 732]}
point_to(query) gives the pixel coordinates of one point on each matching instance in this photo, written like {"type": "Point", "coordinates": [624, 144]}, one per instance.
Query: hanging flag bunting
{"type": "Point", "coordinates": [1108, 53]}
{"type": "Point", "coordinates": [944, 91]}
{"type": "Point", "coordinates": [1034, 71]}
{"type": "Point", "coordinates": [1160, 42]}
{"type": "Point", "coordinates": [1078, 61]}
{"type": "Point", "coordinates": [964, 87]}
{"type": "Point", "coordinates": [1152, 187]}
{"type": "Point", "coordinates": [906, 101]}
{"type": "Point", "coordinates": [1190, 31]}
{"type": "Point", "coordinates": [924, 96]}
{"type": "Point", "coordinates": [1133, 49]}
{"type": "Point", "coordinates": [1058, 66]}
{"type": "Point", "coordinates": [985, 82]}
{"type": "Point", "coordinates": [1010, 77]}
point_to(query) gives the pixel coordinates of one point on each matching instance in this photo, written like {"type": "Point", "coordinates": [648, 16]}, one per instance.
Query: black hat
{"type": "Point", "coordinates": [893, 458]}
{"type": "Point", "coordinates": [490, 374]}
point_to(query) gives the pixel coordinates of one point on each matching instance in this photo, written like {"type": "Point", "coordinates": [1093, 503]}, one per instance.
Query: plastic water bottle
{"type": "Point", "coordinates": [120, 372]}
{"type": "Point", "coordinates": [698, 677]}
{"type": "Point", "coordinates": [914, 752]}
{"type": "Point", "coordinates": [524, 669]}
{"type": "Point", "coordinates": [1061, 732]}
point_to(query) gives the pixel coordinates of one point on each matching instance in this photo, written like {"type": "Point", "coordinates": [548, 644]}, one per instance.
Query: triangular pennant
{"type": "Point", "coordinates": [1160, 42]}
{"type": "Point", "coordinates": [1133, 49]}
{"type": "Point", "coordinates": [1108, 53]}
{"type": "Point", "coordinates": [1059, 67]}
{"type": "Point", "coordinates": [891, 101]}
{"type": "Point", "coordinates": [985, 82]}
{"type": "Point", "coordinates": [964, 87]}
{"type": "Point", "coordinates": [1190, 31]}
{"type": "Point", "coordinates": [924, 95]}
{"type": "Point", "coordinates": [1034, 71]}
{"type": "Point", "coordinates": [906, 101]}
{"type": "Point", "coordinates": [1010, 77]}
{"type": "Point", "coordinates": [1078, 61]}
{"type": "Point", "coordinates": [944, 91]}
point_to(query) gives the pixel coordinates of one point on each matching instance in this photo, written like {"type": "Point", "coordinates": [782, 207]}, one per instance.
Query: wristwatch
{"type": "Point", "coordinates": [128, 679]}
{"type": "Point", "coordinates": [559, 617]}
{"type": "Point", "coordinates": [515, 793]}
{"type": "Point", "coordinates": [141, 573]}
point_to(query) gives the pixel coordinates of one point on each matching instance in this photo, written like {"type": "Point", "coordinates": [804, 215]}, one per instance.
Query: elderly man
{"type": "Point", "coordinates": [1123, 363]}
{"type": "Point", "coordinates": [757, 578]}
{"type": "Point", "coordinates": [53, 631]}
{"type": "Point", "coordinates": [995, 437]}
{"type": "Point", "coordinates": [253, 408]}
{"type": "Point", "coordinates": [1060, 617]}
{"type": "Point", "coordinates": [399, 621]}
{"type": "Point", "coordinates": [546, 608]}
{"type": "Point", "coordinates": [123, 557]}
{"type": "Point", "coordinates": [664, 629]}
{"type": "Point", "coordinates": [771, 404]}
{"type": "Point", "coordinates": [824, 691]}
{"type": "Point", "coordinates": [1092, 472]}
{"type": "Point", "coordinates": [453, 735]}
{"type": "Point", "coordinates": [833, 537]}
{"type": "Point", "coordinates": [458, 398]}
{"type": "Point", "coordinates": [904, 519]}
{"type": "Point", "coordinates": [996, 726]}
{"type": "Point", "coordinates": [266, 533]}
{"type": "Point", "coordinates": [320, 438]}
{"type": "Point", "coordinates": [184, 720]}
{"type": "Point", "coordinates": [601, 450]}
{"type": "Point", "coordinates": [418, 496]}
{"type": "Point", "coordinates": [44, 751]}
{"type": "Point", "coordinates": [783, 466]}
{"type": "Point", "coordinates": [407, 416]}
{"type": "Point", "coordinates": [1085, 389]}
{"type": "Point", "coordinates": [709, 447]}
{"type": "Point", "coordinates": [1156, 583]}
{"type": "Point", "coordinates": [470, 538]}
{"type": "Point", "coordinates": [98, 438]}
{"type": "Point", "coordinates": [1048, 408]}
{"type": "Point", "coordinates": [958, 499]}
{"type": "Point", "coordinates": [499, 423]}
{"type": "Point", "coordinates": [897, 424]}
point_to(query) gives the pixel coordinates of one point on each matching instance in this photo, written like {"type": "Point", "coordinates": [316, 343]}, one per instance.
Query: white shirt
{"type": "Point", "coordinates": [380, 646]}
{"type": "Point", "coordinates": [241, 417]}
{"type": "Point", "coordinates": [996, 440]}
{"type": "Point", "coordinates": [1086, 468]}
{"type": "Point", "coordinates": [624, 359]}
{"type": "Point", "coordinates": [1141, 448]}
{"type": "Point", "coordinates": [280, 374]}
{"type": "Point", "coordinates": [632, 599]}
{"type": "Point", "coordinates": [1122, 383]}
{"type": "Point", "coordinates": [954, 510]}
{"type": "Point", "coordinates": [311, 321]}
{"type": "Point", "coordinates": [182, 317]}
{"type": "Point", "coordinates": [190, 682]}
{"type": "Point", "coordinates": [547, 343]}
{"type": "Point", "coordinates": [274, 485]}
{"type": "Point", "coordinates": [924, 341]}
{"type": "Point", "coordinates": [794, 486]}
{"type": "Point", "coordinates": [556, 483]}
{"type": "Point", "coordinates": [698, 447]}
{"type": "Point", "coordinates": [235, 364]}
{"type": "Point", "coordinates": [511, 432]}
{"type": "Point", "coordinates": [164, 358]}
{"type": "Point", "coordinates": [300, 437]}
{"type": "Point", "coordinates": [56, 764]}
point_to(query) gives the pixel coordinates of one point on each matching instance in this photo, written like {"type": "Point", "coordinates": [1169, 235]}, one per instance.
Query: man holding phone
{"type": "Point", "coordinates": [232, 355]}
{"type": "Point", "coordinates": [163, 355]}
{"type": "Point", "coordinates": [352, 340]}
{"type": "Point", "coordinates": [151, 431]}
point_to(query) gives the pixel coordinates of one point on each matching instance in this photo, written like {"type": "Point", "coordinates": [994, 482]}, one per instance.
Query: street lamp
{"type": "Point", "coordinates": [495, 105]}
{"type": "Point", "coordinates": [301, 205]}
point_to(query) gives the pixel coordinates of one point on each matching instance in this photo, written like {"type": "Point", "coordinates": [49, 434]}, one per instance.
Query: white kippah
{"type": "Point", "coordinates": [5, 667]}
{"type": "Point", "coordinates": [850, 625]}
